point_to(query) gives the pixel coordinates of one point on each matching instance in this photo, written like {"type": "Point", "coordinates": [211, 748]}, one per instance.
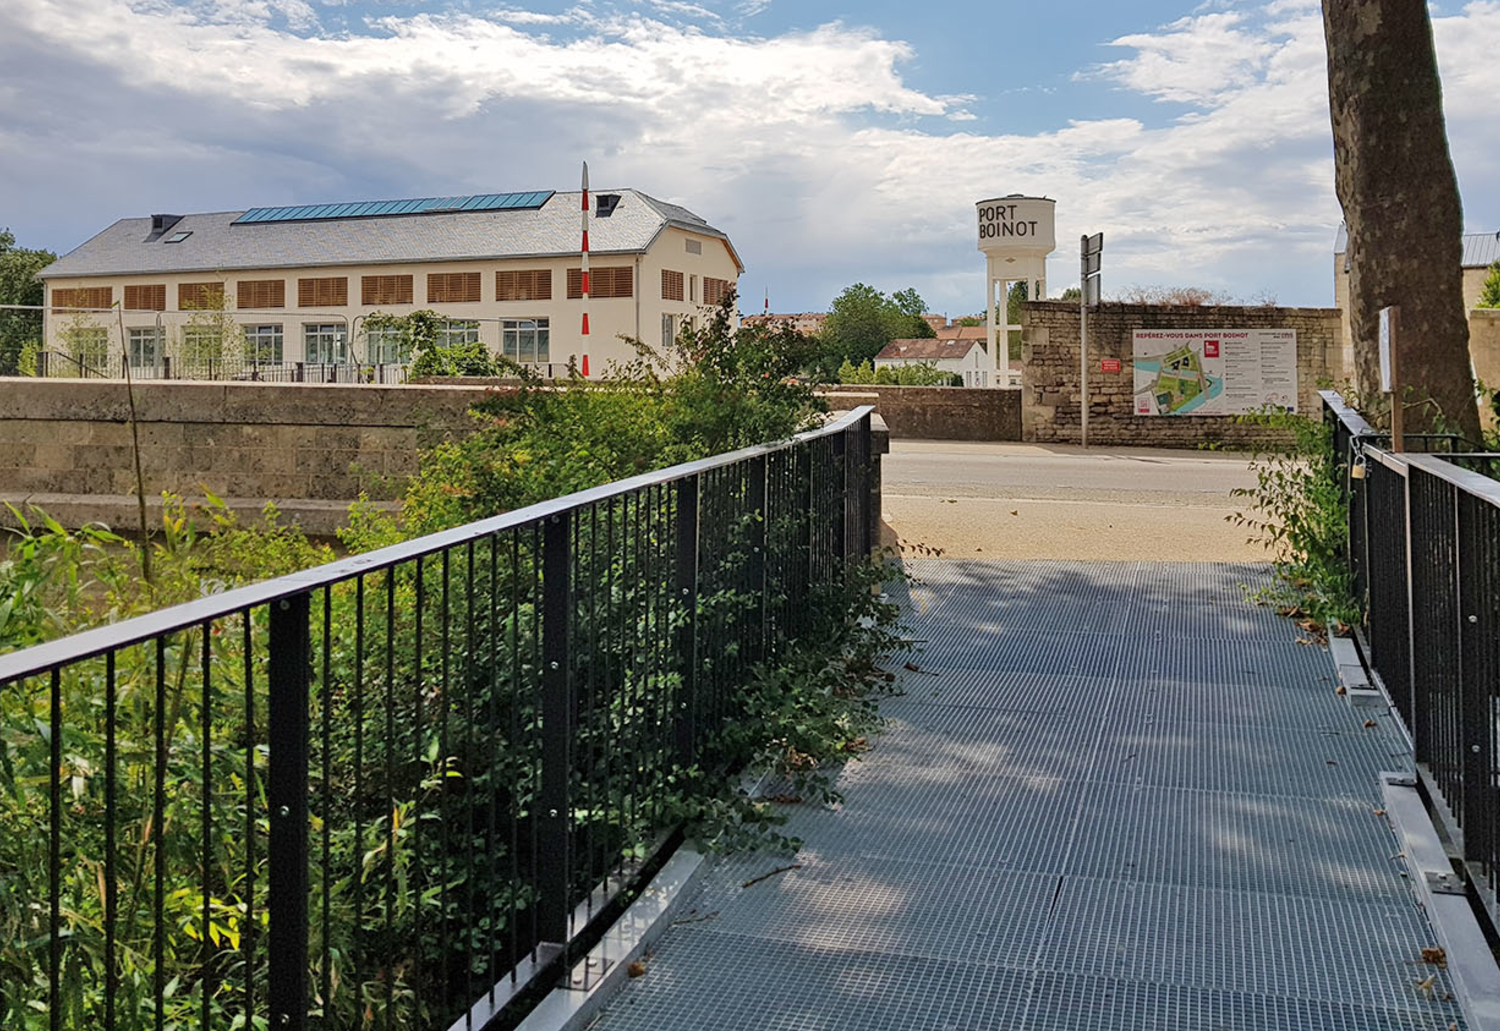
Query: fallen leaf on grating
{"type": "Point", "coordinates": [1370, 723]}
{"type": "Point", "coordinates": [1425, 987]}
{"type": "Point", "coordinates": [636, 969]}
{"type": "Point", "coordinates": [1341, 689]}
{"type": "Point", "coordinates": [1436, 955]}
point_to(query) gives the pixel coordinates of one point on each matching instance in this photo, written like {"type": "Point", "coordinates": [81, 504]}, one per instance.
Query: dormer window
{"type": "Point", "coordinates": [605, 204]}
{"type": "Point", "coordinates": [178, 237]}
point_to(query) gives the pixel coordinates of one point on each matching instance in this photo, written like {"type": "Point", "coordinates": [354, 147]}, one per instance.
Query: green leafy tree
{"type": "Point", "coordinates": [19, 285]}
{"type": "Point", "coordinates": [1489, 293]}
{"type": "Point", "coordinates": [862, 320]}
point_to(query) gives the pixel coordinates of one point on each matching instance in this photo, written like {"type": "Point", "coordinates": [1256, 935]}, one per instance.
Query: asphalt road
{"type": "Point", "coordinates": [969, 500]}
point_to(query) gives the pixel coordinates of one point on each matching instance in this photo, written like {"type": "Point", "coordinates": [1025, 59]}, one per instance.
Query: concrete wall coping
{"type": "Point", "coordinates": [1128, 308]}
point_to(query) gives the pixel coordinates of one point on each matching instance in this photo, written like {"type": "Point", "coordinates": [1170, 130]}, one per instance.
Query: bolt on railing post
{"type": "Point", "coordinates": [685, 591]}
{"type": "Point", "coordinates": [554, 844]}
{"type": "Point", "coordinates": [289, 654]}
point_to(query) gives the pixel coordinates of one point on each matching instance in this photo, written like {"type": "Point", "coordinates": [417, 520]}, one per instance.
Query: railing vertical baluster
{"type": "Point", "coordinates": [755, 503]}
{"type": "Point", "coordinates": [1476, 721]}
{"type": "Point", "coordinates": [111, 886]}
{"type": "Point", "coordinates": [686, 594]}
{"type": "Point", "coordinates": [54, 855]}
{"type": "Point", "coordinates": [290, 659]}
{"type": "Point", "coordinates": [554, 874]}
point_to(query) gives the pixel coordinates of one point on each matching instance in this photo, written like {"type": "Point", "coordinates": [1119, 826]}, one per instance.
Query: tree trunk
{"type": "Point", "coordinates": [1400, 197]}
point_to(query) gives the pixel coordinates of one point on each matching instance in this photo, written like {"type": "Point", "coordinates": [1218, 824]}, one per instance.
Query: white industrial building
{"type": "Point", "coordinates": [300, 282]}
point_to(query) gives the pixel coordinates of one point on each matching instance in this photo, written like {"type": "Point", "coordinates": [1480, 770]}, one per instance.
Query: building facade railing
{"type": "Point", "coordinates": [60, 365]}
{"type": "Point", "coordinates": [400, 789]}
{"type": "Point", "coordinates": [1424, 547]}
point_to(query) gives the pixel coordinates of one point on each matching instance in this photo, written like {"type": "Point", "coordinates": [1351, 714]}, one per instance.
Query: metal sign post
{"type": "Point", "coordinates": [1390, 373]}
{"type": "Point", "coordinates": [1089, 250]}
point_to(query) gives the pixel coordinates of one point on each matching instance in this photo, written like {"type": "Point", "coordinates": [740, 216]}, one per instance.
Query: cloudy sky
{"type": "Point", "coordinates": [834, 142]}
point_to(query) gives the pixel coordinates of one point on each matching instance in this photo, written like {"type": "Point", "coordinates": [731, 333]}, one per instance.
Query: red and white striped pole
{"type": "Point", "coordinates": [585, 268]}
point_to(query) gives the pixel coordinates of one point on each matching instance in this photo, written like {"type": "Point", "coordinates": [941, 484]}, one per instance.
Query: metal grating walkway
{"type": "Point", "coordinates": [1129, 799]}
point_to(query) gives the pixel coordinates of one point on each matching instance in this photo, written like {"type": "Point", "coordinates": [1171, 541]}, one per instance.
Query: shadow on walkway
{"type": "Point", "coordinates": [1128, 799]}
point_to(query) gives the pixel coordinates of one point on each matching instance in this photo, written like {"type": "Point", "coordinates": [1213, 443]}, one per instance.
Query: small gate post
{"type": "Point", "coordinates": [287, 684]}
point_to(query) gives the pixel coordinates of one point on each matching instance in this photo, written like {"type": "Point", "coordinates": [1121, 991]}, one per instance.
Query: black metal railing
{"type": "Point", "coordinates": [1424, 542]}
{"type": "Point", "coordinates": [397, 790]}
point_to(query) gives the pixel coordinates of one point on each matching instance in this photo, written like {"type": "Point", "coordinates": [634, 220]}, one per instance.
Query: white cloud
{"type": "Point", "coordinates": [810, 148]}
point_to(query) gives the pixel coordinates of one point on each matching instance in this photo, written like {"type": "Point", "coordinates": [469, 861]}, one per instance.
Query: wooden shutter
{"type": "Point", "coordinates": [524, 285]}
{"type": "Point", "coordinates": [325, 292]}
{"type": "Point", "coordinates": [152, 297]}
{"type": "Point", "coordinates": [452, 287]}
{"type": "Point", "coordinates": [82, 297]}
{"type": "Point", "coordinates": [385, 290]}
{"type": "Point", "coordinates": [200, 296]}
{"type": "Point", "coordinates": [671, 285]}
{"type": "Point", "coordinates": [260, 293]}
{"type": "Point", "coordinates": [714, 290]}
{"type": "Point", "coordinates": [606, 281]}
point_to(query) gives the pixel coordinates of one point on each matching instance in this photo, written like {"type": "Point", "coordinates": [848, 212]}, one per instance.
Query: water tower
{"type": "Point", "coordinates": [1016, 234]}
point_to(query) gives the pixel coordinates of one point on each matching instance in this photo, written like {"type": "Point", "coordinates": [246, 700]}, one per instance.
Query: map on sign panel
{"type": "Point", "coordinates": [1214, 371]}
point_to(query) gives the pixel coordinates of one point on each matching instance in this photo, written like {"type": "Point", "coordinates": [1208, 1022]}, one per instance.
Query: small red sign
{"type": "Point", "coordinates": [1109, 365]}
{"type": "Point", "coordinates": [1210, 349]}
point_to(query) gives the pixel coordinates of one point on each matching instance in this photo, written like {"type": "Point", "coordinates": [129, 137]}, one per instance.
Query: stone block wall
{"type": "Point", "coordinates": [66, 444]}
{"type": "Point", "coordinates": [936, 413]}
{"type": "Point", "coordinates": [1051, 408]}
{"type": "Point", "coordinates": [1484, 348]}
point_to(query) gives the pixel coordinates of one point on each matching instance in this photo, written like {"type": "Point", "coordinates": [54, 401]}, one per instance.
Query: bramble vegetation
{"type": "Point", "coordinates": [418, 734]}
{"type": "Point", "coordinates": [1301, 514]}
{"type": "Point", "coordinates": [922, 375]}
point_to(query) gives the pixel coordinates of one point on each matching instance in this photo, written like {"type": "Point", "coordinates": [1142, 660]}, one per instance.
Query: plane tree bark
{"type": "Point", "coordinates": [1394, 177]}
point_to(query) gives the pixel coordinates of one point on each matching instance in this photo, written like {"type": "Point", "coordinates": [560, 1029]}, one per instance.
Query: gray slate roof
{"type": "Point", "coordinates": [215, 245]}
{"type": "Point", "coordinates": [1480, 249]}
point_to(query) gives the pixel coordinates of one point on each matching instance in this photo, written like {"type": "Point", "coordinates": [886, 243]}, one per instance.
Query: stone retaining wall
{"type": "Point", "coordinates": [66, 445]}
{"type": "Point", "coordinates": [1050, 389]}
{"type": "Point", "coordinates": [936, 413]}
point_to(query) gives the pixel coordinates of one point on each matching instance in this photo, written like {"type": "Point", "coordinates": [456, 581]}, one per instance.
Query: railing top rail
{"type": "Point", "coordinates": [1477, 484]}
{"type": "Point", "coordinates": [51, 655]}
{"type": "Point", "coordinates": [1351, 419]}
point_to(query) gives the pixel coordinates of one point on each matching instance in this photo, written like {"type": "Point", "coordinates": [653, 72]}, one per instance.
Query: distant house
{"type": "Point", "coordinates": [964, 357]}
{"type": "Point", "coordinates": [300, 282]}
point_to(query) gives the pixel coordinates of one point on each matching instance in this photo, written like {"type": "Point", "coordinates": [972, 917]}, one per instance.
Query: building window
{"type": "Point", "coordinates": [144, 346]}
{"type": "Point", "coordinates": [326, 292]}
{"type": "Point", "coordinates": [89, 346]}
{"type": "Point", "coordinates": [377, 290]}
{"type": "Point", "coordinates": [457, 332]}
{"type": "Point", "coordinates": [201, 345]}
{"type": "Point", "coordinates": [452, 287]}
{"type": "Point", "coordinates": [526, 340]}
{"type": "Point", "coordinates": [386, 345]}
{"type": "Point", "coordinates": [178, 237]}
{"type": "Point", "coordinates": [668, 330]}
{"type": "Point", "coordinates": [693, 289]}
{"type": "Point", "coordinates": [325, 343]}
{"type": "Point", "coordinates": [146, 298]}
{"type": "Point", "coordinates": [714, 290]}
{"type": "Point", "coordinates": [261, 293]}
{"type": "Point", "coordinates": [200, 296]}
{"type": "Point", "coordinates": [671, 285]}
{"type": "Point", "coordinates": [607, 281]}
{"type": "Point", "coordinates": [82, 297]}
{"type": "Point", "coordinates": [524, 285]}
{"type": "Point", "coordinates": [694, 246]}
{"type": "Point", "coordinates": [263, 345]}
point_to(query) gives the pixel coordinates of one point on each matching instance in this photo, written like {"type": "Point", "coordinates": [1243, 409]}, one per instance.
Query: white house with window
{"type": "Point", "coordinates": [300, 284]}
